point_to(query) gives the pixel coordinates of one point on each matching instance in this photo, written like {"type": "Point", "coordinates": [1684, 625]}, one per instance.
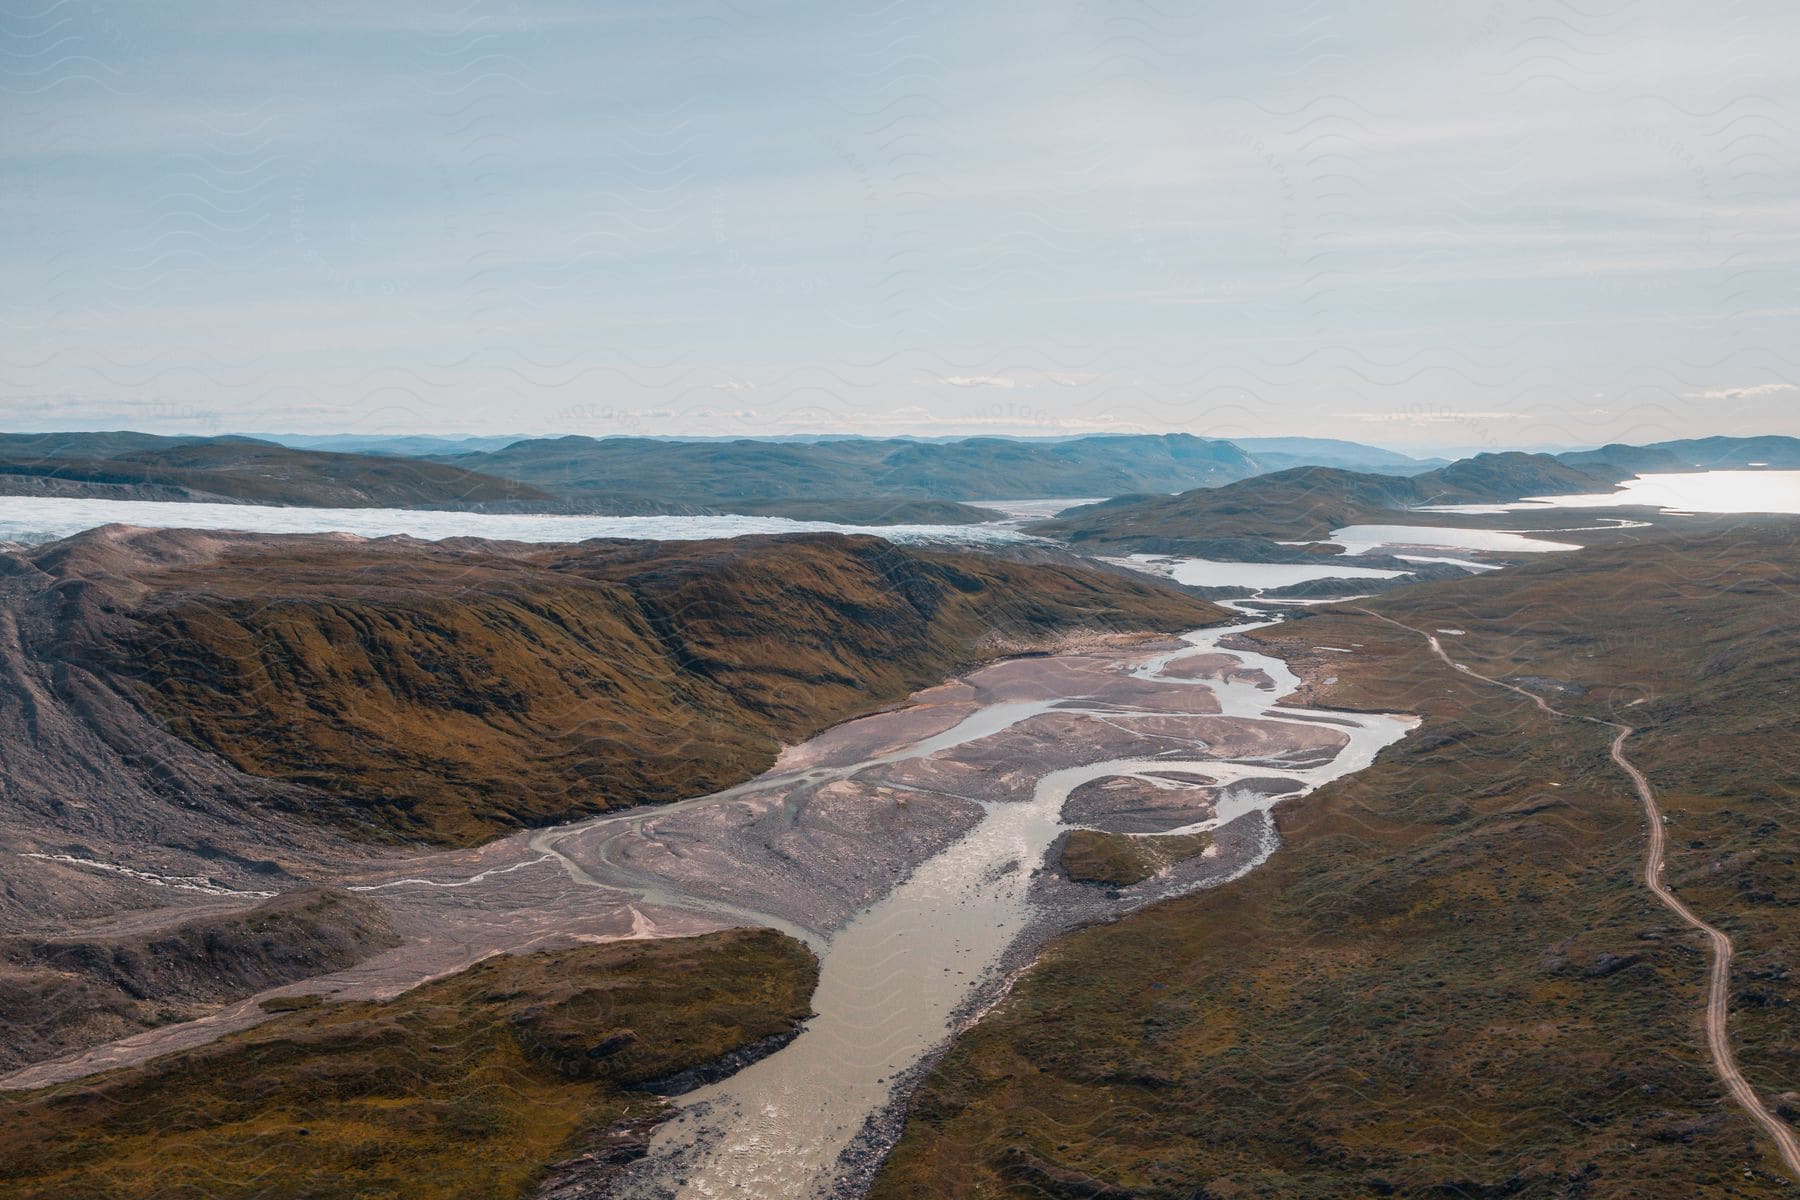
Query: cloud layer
{"type": "Point", "coordinates": [1506, 226]}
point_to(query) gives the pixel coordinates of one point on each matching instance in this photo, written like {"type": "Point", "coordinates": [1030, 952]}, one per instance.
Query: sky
{"type": "Point", "coordinates": [1425, 226]}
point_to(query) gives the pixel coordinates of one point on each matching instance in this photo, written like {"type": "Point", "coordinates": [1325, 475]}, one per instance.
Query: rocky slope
{"type": "Point", "coordinates": [77, 989]}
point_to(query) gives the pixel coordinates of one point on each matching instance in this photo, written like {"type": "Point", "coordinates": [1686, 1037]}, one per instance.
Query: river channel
{"type": "Point", "coordinates": [902, 975]}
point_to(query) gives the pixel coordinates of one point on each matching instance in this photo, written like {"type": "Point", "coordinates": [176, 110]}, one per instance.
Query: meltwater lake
{"type": "Point", "coordinates": [1762, 491]}
{"type": "Point", "coordinates": [32, 519]}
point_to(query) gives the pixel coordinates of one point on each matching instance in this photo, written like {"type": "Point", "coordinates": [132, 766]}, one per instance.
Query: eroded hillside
{"type": "Point", "coordinates": [217, 705]}
{"type": "Point", "coordinates": [453, 692]}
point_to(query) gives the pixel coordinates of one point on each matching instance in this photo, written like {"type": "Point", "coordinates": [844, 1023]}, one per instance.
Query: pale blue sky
{"type": "Point", "coordinates": [1503, 224]}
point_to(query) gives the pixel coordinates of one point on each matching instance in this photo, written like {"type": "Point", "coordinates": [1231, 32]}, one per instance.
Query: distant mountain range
{"type": "Point", "coordinates": [859, 480]}
{"type": "Point", "coordinates": [401, 445]}
{"type": "Point", "coordinates": [848, 479]}
{"type": "Point", "coordinates": [643, 474]}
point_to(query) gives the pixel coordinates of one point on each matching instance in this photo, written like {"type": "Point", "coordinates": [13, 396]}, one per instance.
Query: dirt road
{"type": "Point", "coordinates": [1718, 1036]}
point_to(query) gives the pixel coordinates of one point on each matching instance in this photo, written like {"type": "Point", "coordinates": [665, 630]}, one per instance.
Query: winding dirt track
{"type": "Point", "coordinates": [1718, 1036]}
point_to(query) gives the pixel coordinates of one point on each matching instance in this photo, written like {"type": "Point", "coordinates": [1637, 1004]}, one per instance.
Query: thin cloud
{"type": "Point", "coordinates": [1741, 393]}
{"type": "Point", "coordinates": [975, 381]}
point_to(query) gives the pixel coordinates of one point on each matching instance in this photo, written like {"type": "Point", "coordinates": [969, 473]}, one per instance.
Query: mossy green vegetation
{"type": "Point", "coordinates": [466, 1087]}
{"type": "Point", "coordinates": [1121, 859]}
{"type": "Point", "coordinates": [1449, 981]}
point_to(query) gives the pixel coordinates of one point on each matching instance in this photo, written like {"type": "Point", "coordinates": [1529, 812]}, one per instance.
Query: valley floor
{"type": "Point", "coordinates": [1451, 981]}
{"type": "Point", "coordinates": [908, 847]}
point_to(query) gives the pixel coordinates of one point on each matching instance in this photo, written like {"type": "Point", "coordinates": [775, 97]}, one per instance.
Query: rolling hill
{"type": "Point", "coordinates": [1307, 503]}
{"type": "Point", "coordinates": [237, 470]}
{"type": "Point", "coordinates": [1721, 453]}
